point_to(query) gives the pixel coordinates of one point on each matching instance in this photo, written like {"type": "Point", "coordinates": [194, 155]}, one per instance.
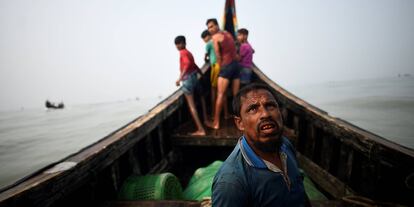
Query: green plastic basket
{"type": "Point", "coordinates": [163, 186]}
{"type": "Point", "coordinates": [200, 183]}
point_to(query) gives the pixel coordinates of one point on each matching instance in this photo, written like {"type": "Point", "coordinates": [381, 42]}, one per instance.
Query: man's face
{"type": "Point", "coordinates": [207, 38]}
{"type": "Point", "coordinates": [180, 46]}
{"type": "Point", "coordinates": [241, 37]}
{"type": "Point", "coordinates": [212, 28]}
{"type": "Point", "coordinates": [260, 120]}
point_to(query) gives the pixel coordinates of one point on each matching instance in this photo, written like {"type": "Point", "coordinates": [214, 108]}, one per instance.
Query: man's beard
{"type": "Point", "coordinates": [275, 139]}
{"type": "Point", "coordinates": [272, 145]}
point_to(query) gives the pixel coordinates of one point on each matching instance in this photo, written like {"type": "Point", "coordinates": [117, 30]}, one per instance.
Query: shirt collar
{"type": "Point", "coordinates": [249, 156]}
{"type": "Point", "coordinates": [255, 161]}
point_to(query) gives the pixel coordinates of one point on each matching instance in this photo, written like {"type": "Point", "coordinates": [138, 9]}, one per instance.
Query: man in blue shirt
{"type": "Point", "coordinates": [262, 169]}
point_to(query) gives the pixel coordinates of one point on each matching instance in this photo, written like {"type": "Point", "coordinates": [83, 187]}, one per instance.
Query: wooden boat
{"type": "Point", "coordinates": [348, 164]}
{"type": "Point", "coordinates": [50, 105]}
{"type": "Point", "coordinates": [341, 158]}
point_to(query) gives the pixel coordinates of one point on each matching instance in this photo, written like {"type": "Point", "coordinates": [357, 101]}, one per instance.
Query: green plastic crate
{"type": "Point", "coordinates": [163, 186]}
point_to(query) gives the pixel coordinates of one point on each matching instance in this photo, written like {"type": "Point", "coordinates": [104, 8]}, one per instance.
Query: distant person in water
{"type": "Point", "coordinates": [245, 56]}
{"type": "Point", "coordinates": [262, 170]}
{"type": "Point", "coordinates": [188, 77]}
{"type": "Point", "coordinates": [210, 56]}
{"type": "Point", "coordinates": [225, 49]}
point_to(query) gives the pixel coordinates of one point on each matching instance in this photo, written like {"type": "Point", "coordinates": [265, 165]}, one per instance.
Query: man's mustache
{"type": "Point", "coordinates": [267, 121]}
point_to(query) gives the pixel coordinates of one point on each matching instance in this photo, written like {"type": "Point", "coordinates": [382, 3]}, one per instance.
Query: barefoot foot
{"type": "Point", "coordinates": [199, 133]}
{"type": "Point", "coordinates": [212, 125]}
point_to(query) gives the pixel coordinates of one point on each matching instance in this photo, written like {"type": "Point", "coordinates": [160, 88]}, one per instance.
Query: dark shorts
{"type": "Point", "coordinates": [194, 86]}
{"type": "Point", "coordinates": [230, 71]}
{"type": "Point", "coordinates": [245, 75]}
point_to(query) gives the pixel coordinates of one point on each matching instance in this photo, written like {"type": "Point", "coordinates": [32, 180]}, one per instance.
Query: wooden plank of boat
{"type": "Point", "coordinates": [227, 135]}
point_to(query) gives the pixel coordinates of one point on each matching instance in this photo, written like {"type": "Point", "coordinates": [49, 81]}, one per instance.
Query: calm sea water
{"type": "Point", "coordinates": [32, 139]}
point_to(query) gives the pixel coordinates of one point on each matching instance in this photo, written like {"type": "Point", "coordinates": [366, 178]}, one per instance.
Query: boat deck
{"type": "Point", "coordinates": [227, 135]}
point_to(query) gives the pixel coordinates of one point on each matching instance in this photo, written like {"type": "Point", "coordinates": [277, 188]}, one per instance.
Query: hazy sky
{"type": "Point", "coordinates": [82, 51]}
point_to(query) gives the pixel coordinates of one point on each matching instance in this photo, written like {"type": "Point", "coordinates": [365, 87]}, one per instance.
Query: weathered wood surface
{"type": "Point", "coordinates": [227, 135]}
{"type": "Point", "coordinates": [328, 203]}
{"type": "Point", "coordinates": [324, 179]}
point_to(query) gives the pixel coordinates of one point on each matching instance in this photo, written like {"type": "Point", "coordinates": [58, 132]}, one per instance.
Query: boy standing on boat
{"type": "Point", "coordinates": [214, 69]}
{"type": "Point", "coordinates": [188, 76]}
{"type": "Point", "coordinates": [225, 50]}
{"type": "Point", "coordinates": [262, 170]}
{"type": "Point", "coordinates": [245, 56]}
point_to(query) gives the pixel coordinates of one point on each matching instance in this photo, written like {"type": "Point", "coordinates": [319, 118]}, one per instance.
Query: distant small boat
{"type": "Point", "coordinates": [51, 105]}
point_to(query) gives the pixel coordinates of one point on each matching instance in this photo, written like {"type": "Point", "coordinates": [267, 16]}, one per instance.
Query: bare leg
{"type": "Point", "coordinates": [222, 85]}
{"type": "Point", "coordinates": [213, 103]}
{"type": "Point", "coordinates": [203, 107]}
{"type": "Point", "coordinates": [191, 106]}
{"type": "Point", "coordinates": [213, 100]}
{"type": "Point", "coordinates": [235, 86]}
{"type": "Point", "coordinates": [235, 89]}
{"type": "Point", "coordinates": [226, 107]}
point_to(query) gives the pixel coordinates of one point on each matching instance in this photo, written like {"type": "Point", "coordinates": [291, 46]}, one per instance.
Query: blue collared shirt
{"type": "Point", "coordinates": [247, 180]}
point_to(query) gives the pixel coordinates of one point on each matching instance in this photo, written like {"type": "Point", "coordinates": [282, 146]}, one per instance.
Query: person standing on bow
{"type": "Point", "coordinates": [210, 56]}
{"type": "Point", "coordinates": [245, 56]}
{"type": "Point", "coordinates": [188, 76]}
{"type": "Point", "coordinates": [225, 50]}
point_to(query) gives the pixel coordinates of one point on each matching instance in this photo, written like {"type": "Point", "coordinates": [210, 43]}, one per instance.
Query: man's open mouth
{"type": "Point", "coordinates": [268, 127]}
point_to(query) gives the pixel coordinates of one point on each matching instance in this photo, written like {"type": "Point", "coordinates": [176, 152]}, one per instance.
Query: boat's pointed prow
{"type": "Point", "coordinates": [229, 17]}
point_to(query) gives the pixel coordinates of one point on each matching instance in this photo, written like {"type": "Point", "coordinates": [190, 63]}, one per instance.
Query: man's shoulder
{"type": "Point", "coordinates": [287, 145]}
{"type": "Point", "coordinates": [246, 46]}
{"type": "Point", "coordinates": [209, 44]}
{"type": "Point", "coordinates": [218, 36]}
{"type": "Point", "coordinates": [229, 185]}
{"type": "Point", "coordinates": [232, 168]}
{"type": "Point", "coordinates": [185, 53]}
